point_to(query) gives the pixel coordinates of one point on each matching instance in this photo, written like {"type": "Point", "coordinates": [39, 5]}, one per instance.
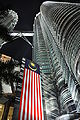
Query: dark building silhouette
{"type": "Point", "coordinates": [56, 49]}
{"type": "Point", "coordinates": [4, 107]}
{"type": "Point", "coordinates": [17, 49]}
{"type": "Point", "coordinates": [8, 20]}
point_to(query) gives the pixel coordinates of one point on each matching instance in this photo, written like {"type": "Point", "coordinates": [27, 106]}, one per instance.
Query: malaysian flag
{"type": "Point", "coordinates": [31, 98]}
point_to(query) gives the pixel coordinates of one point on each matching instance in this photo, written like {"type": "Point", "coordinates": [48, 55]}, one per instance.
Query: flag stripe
{"type": "Point", "coordinates": [31, 93]}
{"type": "Point", "coordinates": [28, 97]}
{"type": "Point", "coordinates": [40, 97]}
{"type": "Point", "coordinates": [34, 99]}
{"type": "Point", "coordinates": [21, 96]}
{"type": "Point", "coordinates": [25, 96]}
{"type": "Point", "coordinates": [36, 94]}
{"type": "Point", "coordinates": [37, 97]}
{"type": "Point", "coordinates": [25, 114]}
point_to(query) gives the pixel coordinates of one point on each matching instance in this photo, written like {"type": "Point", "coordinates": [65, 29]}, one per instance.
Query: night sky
{"type": "Point", "coordinates": [26, 10]}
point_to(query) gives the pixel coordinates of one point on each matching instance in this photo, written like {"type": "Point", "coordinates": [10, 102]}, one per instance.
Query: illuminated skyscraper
{"type": "Point", "coordinates": [56, 49]}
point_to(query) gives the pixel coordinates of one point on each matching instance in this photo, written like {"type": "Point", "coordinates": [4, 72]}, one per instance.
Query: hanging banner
{"type": "Point", "coordinates": [31, 107]}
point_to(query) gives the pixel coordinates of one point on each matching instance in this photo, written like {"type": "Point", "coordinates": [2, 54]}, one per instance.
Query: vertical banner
{"type": "Point", "coordinates": [31, 107]}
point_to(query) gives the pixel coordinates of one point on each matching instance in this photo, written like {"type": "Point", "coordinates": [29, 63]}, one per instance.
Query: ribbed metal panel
{"type": "Point", "coordinates": [57, 51]}
{"type": "Point", "coordinates": [42, 57]}
{"type": "Point", "coordinates": [64, 19]}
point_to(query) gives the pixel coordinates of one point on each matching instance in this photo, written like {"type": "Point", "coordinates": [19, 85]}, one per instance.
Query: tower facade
{"type": "Point", "coordinates": [56, 49]}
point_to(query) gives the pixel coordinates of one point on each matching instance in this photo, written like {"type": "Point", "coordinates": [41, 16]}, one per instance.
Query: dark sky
{"type": "Point", "coordinates": [26, 10]}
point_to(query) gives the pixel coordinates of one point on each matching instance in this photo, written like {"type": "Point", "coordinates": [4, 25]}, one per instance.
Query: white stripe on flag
{"type": "Point", "coordinates": [36, 94]}
{"type": "Point", "coordinates": [33, 99]}
{"type": "Point", "coordinates": [38, 97]}
{"type": "Point", "coordinates": [23, 96]}
{"type": "Point", "coordinates": [41, 100]}
{"type": "Point", "coordinates": [30, 97]}
{"type": "Point", "coordinates": [26, 97]}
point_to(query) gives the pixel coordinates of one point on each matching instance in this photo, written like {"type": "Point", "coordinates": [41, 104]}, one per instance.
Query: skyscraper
{"type": "Point", "coordinates": [57, 50]}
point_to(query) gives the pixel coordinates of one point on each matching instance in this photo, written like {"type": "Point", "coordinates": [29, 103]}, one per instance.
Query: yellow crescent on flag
{"type": "Point", "coordinates": [32, 66]}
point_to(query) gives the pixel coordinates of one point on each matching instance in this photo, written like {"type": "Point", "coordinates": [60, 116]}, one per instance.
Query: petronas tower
{"type": "Point", "coordinates": [56, 49]}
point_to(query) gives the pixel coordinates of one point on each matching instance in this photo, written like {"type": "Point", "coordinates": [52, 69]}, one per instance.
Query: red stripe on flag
{"type": "Point", "coordinates": [34, 99]}
{"type": "Point", "coordinates": [40, 97]}
{"type": "Point", "coordinates": [21, 96]}
{"type": "Point", "coordinates": [28, 97]}
{"type": "Point", "coordinates": [31, 93]}
{"type": "Point", "coordinates": [25, 96]}
{"type": "Point", "coordinates": [37, 97]}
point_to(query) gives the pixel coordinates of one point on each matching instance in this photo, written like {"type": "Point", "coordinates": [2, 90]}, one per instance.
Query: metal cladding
{"type": "Point", "coordinates": [8, 19]}
{"type": "Point", "coordinates": [57, 51]}
{"type": "Point", "coordinates": [41, 56]}
{"type": "Point", "coordinates": [63, 21]}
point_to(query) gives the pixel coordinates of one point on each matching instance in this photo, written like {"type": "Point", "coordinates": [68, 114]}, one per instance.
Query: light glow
{"type": "Point", "coordinates": [21, 34]}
